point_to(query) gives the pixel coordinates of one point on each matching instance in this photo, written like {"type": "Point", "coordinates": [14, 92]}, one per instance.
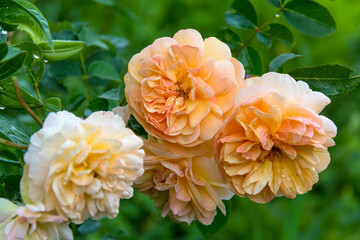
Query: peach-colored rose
{"type": "Point", "coordinates": [82, 168]}
{"type": "Point", "coordinates": [275, 142]}
{"type": "Point", "coordinates": [180, 88]}
{"type": "Point", "coordinates": [185, 183]}
{"type": "Point", "coordinates": [31, 222]}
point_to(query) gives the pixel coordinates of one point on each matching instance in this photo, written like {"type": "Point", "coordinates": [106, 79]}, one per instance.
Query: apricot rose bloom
{"type": "Point", "coordinates": [179, 89]}
{"type": "Point", "coordinates": [82, 168]}
{"type": "Point", "coordinates": [275, 142]}
{"type": "Point", "coordinates": [31, 222]}
{"type": "Point", "coordinates": [185, 183]}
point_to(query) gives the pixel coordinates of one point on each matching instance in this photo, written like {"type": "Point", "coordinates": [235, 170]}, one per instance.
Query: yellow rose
{"type": "Point", "coordinates": [185, 183]}
{"type": "Point", "coordinates": [275, 142]}
{"type": "Point", "coordinates": [82, 168]}
{"type": "Point", "coordinates": [180, 88]}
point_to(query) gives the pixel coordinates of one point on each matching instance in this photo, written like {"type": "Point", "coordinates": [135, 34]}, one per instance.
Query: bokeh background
{"type": "Point", "coordinates": [330, 211]}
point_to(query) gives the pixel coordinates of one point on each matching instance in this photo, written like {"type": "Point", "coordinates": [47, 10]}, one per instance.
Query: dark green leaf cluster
{"type": "Point", "coordinates": [307, 16]}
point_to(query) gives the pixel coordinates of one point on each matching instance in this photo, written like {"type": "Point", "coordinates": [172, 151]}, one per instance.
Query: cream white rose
{"type": "Point", "coordinates": [82, 168]}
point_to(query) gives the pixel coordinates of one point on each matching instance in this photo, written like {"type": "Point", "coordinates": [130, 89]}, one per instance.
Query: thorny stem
{"type": "Point", "coordinates": [245, 44]}
{"type": "Point", "coordinates": [85, 76]}
{"type": "Point", "coordinates": [23, 103]}
{"type": "Point", "coordinates": [14, 145]}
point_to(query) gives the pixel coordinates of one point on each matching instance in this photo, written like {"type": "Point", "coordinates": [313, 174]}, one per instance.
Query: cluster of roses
{"type": "Point", "coordinates": [211, 134]}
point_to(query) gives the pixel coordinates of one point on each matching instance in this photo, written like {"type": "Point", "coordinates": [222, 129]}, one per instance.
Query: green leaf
{"type": "Point", "coordinates": [13, 132]}
{"type": "Point", "coordinates": [103, 70]}
{"type": "Point", "coordinates": [251, 60]}
{"type": "Point", "coordinates": [279, 61]}
{"type": "Point", "coordinates": [91, 39]}
{"type": "Point", "coordinates": [98, 104]}
{"type": "Point", "coordinates": [10, 186]}
{"type": "Point", "coordinates": [52, 104]}
{"type": "Point", "coordinates": [76, 101]}
{"type": "Point", "coordinates": [11, 62]}
{"type": "Point", "coordinates": [3, 50]}
{"type": "Point", "coordinates": [9, 99]}
{"type": "Point", "coordinates": [8, 158]}
{"type": "Point", "coordinates": [230, 38]}
{"type": "Point", "coordinates": [309, 17]}
{"type": "Point", "coordinates": [118, 43]}
{"type": "Point", "coordinates": [63, 69]}
{"type": "Point", "coordinates": [276, 31]}
{"type": "Point", "coordinates": [332, 80]}
{"type": "Point", "coordinates": [134, 125]}
{"type": "Point", "coordinates": [242, 15]}
{"type": "Point", "coordinates": [89, 226]}
{"type": "Point", "coordinates": [219, 222]}
{"type": "Point", "coordinates": [12, 9]}
{"type": "Point", "coordinates": [34, 65]}
{"type": "Point", "coordinates": [106, 2]}
{"type": "Point", "coordinates": [62, 49]}
{"type": "Point", "coordinates": [276, 3]}
{"type": "Point", "coordinates": [113, 94]}
{"type": "Point", "coordinates": [3, 35]}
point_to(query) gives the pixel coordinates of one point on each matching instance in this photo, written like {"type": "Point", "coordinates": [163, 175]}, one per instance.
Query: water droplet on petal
{"type": "Point", "coordinates": [288, 179]}
{"type": "Point", "coordinates": [277, 15]}
{"type": "Point", "coordinates": [282, 175]}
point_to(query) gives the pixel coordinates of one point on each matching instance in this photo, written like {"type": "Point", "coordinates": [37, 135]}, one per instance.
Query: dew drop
{"type": "Point", "coordinates": [277, 15]}
{"type": "Point", "coordinates": [3, 32]}
{"type": "Point", "coordinates": [36, 56]}
{"type": "Point", "coordinates": [46, 61]}
{"type": "Point", "coordinates": [2, 107]}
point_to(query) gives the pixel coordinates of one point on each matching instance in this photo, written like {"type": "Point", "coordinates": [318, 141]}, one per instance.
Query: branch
{"type": "Point", "coordinates": [244, 45]}
{"type": "Point", "coordinates": [14, 145]}
{"type": "Point", "coordinates": [23, 103]}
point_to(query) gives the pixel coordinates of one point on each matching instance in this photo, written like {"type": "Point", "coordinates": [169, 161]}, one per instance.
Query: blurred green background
{"type": "Point", "coordinates": [330, 211]}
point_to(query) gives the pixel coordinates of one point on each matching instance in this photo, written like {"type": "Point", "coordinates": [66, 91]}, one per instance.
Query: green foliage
{"type": "Point", "coordinates": [11, 60]}
{"type": "Point", "coordinates": [279, 61]}
{"type": "Point", "coordinates": [242, 15]}
{"type": "Point", "coordinates": [26, 17]}
{"type": "Point", "coordinates": [8, 97]}
{"type": "Point", "coordinates": [8, 159]}
{"type": "Point", "coordinates": [332, 80]}
{"type": "Point", "coordinates": [276, 31]}
{"type": "Point", "coordinates": [309, 17]}
{"type": "Point", "coordinates": [52, 104]}
{"type": "Point", "coordinates": [3, 35]}
{"type": "Point", "coordinates": [218, 223]}
{"type": "Point", "coordinates": [251, 60]}
{"type": "Point", "coordinates": [13, 132]}
{"type": "Point", "coordinates": [103, 70]}
{"type": "Point", "coordinates": [276, 3]}
{"type": "Point", "coordinates": [62, 49]}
